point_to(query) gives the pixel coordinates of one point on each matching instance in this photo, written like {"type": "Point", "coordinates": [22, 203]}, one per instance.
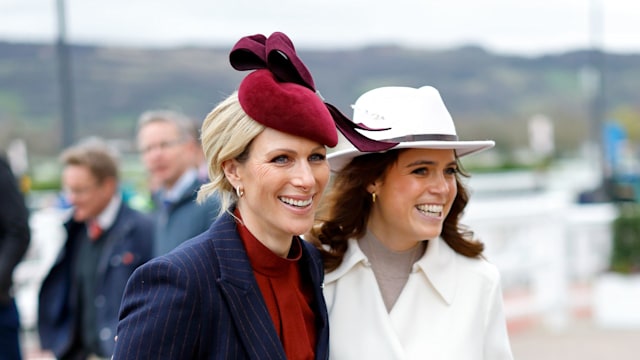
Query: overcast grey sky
{"type": "Point", "coordinates": [507, 26]}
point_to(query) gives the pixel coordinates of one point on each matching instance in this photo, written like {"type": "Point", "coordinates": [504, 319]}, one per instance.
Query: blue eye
{"type": "Point", "coordinates": [317, 157]}
{"type": "Point", "coordinates": [280, 159]}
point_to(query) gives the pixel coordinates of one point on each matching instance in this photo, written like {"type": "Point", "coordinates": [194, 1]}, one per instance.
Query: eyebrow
{"type": "Point", "coordinates": [292, 151]}
{"type": "Point", "coordinates": [428, 162]}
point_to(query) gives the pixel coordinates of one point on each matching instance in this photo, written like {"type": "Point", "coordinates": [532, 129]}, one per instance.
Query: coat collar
{"type": "Point", "coordinates": [235, 268]}
{"type": "Point", "coordinates": [241, 291]}
{"type": "Point", "coordinates": [351, 258]}
{"type": "Point", "coordinates": [244, 299]}
{"type": "Point", "coordinates": [182, 188]}
{"type": "Point", "coordinates": [438, 265]}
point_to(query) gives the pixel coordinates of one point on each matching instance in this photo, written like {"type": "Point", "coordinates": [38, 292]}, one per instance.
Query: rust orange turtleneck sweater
{"type": "Point", "coordinates": [286, 292]}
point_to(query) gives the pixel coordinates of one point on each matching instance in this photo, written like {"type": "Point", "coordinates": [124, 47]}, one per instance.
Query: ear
{"type": "Point", "coordinates": [372, 188]}
{"type": "Point", "coordinates": [231, 169]}
{"type": "Point", "coordinates": [111, 184]}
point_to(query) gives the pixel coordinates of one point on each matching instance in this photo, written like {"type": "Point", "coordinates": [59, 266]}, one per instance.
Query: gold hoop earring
{"type": "Point", "coordinates": [373, 197]}
{"type": "Point", "coordinates": [239, 192]}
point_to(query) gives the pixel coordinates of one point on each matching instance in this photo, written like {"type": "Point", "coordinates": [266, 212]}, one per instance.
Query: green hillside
{"type": "Point", "coordinates": [490, 95]}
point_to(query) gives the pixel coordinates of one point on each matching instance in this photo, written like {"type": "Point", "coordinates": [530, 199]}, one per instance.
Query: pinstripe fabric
{"type": "Point", "coordinates": [201, 301]}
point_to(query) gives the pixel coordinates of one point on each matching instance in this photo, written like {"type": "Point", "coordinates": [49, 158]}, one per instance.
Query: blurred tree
{"type": "Point", "coordinates": [629, 118]}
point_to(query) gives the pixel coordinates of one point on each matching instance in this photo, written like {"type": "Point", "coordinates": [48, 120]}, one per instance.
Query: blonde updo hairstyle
{"type": "Point", "coordinates": [227, 133]}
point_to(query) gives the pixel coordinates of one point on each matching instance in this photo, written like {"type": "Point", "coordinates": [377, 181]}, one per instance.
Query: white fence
{"type": "Point", "coordinates": [543, 242]}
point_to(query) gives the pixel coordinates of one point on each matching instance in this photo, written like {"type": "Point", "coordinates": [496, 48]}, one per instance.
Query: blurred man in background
{"type": "Point", "coordinates": [106, 240]}
{"type": "Point", "coordinates": [14, 241]}
{"type": "Point", "coordinates": [170, 150]}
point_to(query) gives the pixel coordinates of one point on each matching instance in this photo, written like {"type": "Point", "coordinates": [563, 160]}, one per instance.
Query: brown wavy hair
{"type": "Point", "coordinates": [346, 208]}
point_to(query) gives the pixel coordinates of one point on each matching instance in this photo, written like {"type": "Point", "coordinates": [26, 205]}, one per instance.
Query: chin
{"type": "Point", "coordinates": [431, 234]}
{"type": "Point", "coordinates": [299, 230]}
{"type": "Point", "coordinates": [80, 218]}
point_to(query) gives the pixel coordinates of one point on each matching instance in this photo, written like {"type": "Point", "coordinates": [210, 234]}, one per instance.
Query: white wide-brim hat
{"type": "Point", "coordinates": [409, 117]}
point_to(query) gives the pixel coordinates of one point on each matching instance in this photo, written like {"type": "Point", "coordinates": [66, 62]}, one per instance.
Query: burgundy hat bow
{"type": "Point", "coordinates": [277, 55]}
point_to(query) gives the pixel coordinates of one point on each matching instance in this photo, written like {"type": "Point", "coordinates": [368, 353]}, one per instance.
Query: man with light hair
{"type": "Point", "coordinates": [170, 150]}
{"type": "Point", "coordinates": [106, 241]}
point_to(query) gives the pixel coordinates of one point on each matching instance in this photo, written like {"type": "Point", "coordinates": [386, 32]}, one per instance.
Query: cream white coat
{"type": "Point", "coordinates": [450, 309]}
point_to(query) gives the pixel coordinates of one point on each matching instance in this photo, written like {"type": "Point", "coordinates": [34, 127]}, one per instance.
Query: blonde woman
{"type": "Point", "coordinates": [249, 287]}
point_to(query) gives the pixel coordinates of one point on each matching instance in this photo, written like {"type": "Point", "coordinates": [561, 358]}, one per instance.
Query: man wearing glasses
{"type": "Point", "coordinates": [171, 153]}
{"type": "Point", "coordinates": [106, 240]}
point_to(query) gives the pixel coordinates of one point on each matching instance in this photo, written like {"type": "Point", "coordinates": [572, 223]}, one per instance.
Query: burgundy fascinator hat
{"type": "Point", "coordinates": [281, 94]}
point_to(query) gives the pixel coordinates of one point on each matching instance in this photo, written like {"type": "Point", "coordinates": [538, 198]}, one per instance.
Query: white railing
{"type": "Point", "coordinates": [543, 243]}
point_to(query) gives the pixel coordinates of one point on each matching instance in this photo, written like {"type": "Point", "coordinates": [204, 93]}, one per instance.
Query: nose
{"type": "Point", "coordinates": [439, 184]}
{"type": "Point", "coordinates": [303, 176]}
{"type": "Point", "coordinates": [70, 196]}
{"type": "Point", "coordinates": [71, 199]}
{"type": "Point", "coordinates": [152, 153]}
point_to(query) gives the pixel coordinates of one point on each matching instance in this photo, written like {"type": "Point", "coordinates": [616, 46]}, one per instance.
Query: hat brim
{"type": "Point", "coordinates": [340, 158]}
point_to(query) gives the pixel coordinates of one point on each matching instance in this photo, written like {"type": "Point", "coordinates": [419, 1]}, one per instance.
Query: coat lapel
{"type": "Point", "coordinates": [440, 267]}
{"type": "Point", "coordinates": [317, 276]}
{"type": "Point", "coordinates": [240, 289]}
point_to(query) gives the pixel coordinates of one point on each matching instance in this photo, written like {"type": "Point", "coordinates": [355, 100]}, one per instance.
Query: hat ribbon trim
{"type": "Point", "coordinates": [361, 142]}
{"type": "Point", "coordinates": [424, 137]}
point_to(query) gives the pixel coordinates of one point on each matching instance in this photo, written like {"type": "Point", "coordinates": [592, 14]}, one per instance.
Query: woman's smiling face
{"type": "Point", "coordinates": [414, 197]}
{"type": "Point", "coordinates": [282, 179]}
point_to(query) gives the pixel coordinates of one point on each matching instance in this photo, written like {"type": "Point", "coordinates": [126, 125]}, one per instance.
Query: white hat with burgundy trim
{"type": "Point", "coordinates": [409, 118]}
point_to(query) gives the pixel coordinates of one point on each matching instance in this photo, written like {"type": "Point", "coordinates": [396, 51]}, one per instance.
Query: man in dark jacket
{"type": "Point", "coordinates": [14, 241]}
{"type": "Point", "coordinates": [106, 240]}
{"type": "Point", "coordinates": [170, 150]}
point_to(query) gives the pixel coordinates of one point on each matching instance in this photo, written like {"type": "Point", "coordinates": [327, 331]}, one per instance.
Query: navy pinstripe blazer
{"type": "Point", "coordinates": [201, 301]}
